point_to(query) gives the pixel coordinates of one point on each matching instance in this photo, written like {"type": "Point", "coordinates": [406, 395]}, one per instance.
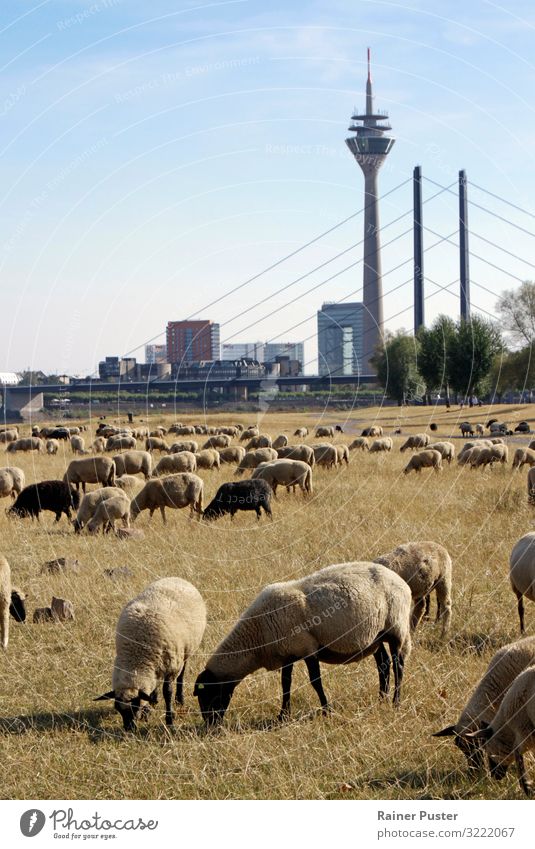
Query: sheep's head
{"type": "Point", "coordinates": [17, 608]}
{"type": "Point", "coordinates": [214, 696]}
{"type": "Point", "coordinates": [128, 703]}
{"type": "Point", "coordinates": [470, 745]}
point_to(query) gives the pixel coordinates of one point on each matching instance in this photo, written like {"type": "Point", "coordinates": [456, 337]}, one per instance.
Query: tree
{"type": "Point", "coordinates": [514, 370]}
{"type": "Point", "coordinates": [477, 342]}
{"type": "Point", "coordinates": [435, 345]}
{"type": "Point", "coordinates": [516, 308]}
{"type": "Point", "coordinates": [396, 365]}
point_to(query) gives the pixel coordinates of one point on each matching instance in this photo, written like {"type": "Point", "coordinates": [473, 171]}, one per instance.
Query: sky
{"type": "Point", "coordinates": [154, 157]}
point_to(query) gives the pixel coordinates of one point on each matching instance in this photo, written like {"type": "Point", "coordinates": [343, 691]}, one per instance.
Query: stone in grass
{"type": "Point", "coordinates": [43, 614]}
{"type": "Point", "coordinates": [62, 609]}
{"type": "Point", "coordinates": [119, 572]}
{"type": "Point", "coordinates": [61, 564]}
{"type": "Point", "coordinates": [129, 533]}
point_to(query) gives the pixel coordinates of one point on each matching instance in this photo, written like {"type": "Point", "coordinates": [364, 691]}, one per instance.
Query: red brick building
{"type": "Point", "coordinates": [192, 341]}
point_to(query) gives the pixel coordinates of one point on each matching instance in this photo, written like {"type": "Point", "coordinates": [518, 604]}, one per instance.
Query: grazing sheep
{"type": "Point", "coordinates": [11, 481]}
{"type": "Point", "coordinates": [342, 452]}
{"type": "Point", "coordinates": [260, 441]}
{"type": "Point", "coordinates": [468, 455]}
{"type": "Point", "coordinates": [61, 433]}
{"type": "Point", "coordinates": [129, 484]}
{"type": "Point", "coordinates": [240, 495]}
{"type": "Point", "coordinates": [280, 442]}
{"type": "Point", "coordinates": [425, 566]}
{"type": "Point", "coordinates": [249, 433]}
{"type": "Point", "coordinates": [301, 432]}
{"type": "Point", "coordinates": [481, 708]}
{"type": "Point", "coordinates": [234, 454]}
{"type": "Point", "coordinates": [480, 430]}
{"type": "Point", "coordinates": [208, 459]}
{"type": "Point", "coordinates": [184, 430]}
{"type": "Point", "coordinates": [184, 461]}
{"type": "Point", "coordinates": [153, 443]}
{"type": "Point", "coordinates": [445, 449]}
{"type": "Point", "coordinates": [288, 473]}
{"type": "Point", "coordinates": [360, 444]}
{"type": "Point", "coordinates": [121, 443]}
{"type": "Point", "coordinates": [133, 463]}
{"type": "Point", "coordinates": [99, 445]}
{"type": "Point", "coordinates": [9, 435]}
{"type": "Point", "coordinates": [30, 443]}
{"type": "Point", "coordinates": [52, 446]}
{"type": "Point", "coordinates": [326, 455]}
{"type": "Point", "coordinates": [522, 572]}
{"type": "Point", "coordinates": [523, 427]}
{"type": "Point", "coordinates": [91, 470]}
{"type": "Point", "coordinates": [229, 430]}
{"type": "Point", "coordinates": [415, 442]}
{"type": "Point", "coordinates": [488, 456]}
{"type": "Point", "coordinates": [523, 456]}
{"type": "Point", "coordinates": [77, 444]}
{"type": "Point", "coordinates": [157, 633]}
{"type": "Point", "coordinates": [190, 445]}
{"type": "Point", "coordinates": [297, 452]}
{"type": "Point", "coordinates": [220, 441]}
{"type": "Point", "coordinates": [57, 496]}
{"type": "Point", "coordinates": [90, 502]}
{"type": "Point", "coordinates": [158, 431]}
{"type": "Point", "coordinates": [174, 491]}
{"type": "Point", "coordinates": [384, 444]}
{"type": "Point", "coordinates": [374, 430]}
{"type": "Point", "coordinates": [140, 432]}
{"type": "Point", "coordinates": [325, 430]}
{"type": "Point", "coordinates": [428, 459]}
{"type": "Point", "coordinates": [531, 486]}
{"type": "Point", "coordinates": [253, 459]}
{"type": "Point", "coordinates": [107, 512]}
{"type": "Point", "coordinates": [466, 429]}
{"type": "Point", "coordinates": [340, 614]}
{"type": "Point", "coordinates": [498, 427]}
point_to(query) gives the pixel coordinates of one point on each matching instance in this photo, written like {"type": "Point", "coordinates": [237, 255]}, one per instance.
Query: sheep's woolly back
{"type": "Point", "coordinates": [522, 566]}
{"type": "Point", "coordinates": [502, 670]}
{"type": "Point", "coordinates": [341, 608]}
{"type": "Point", "coordinates": [156, 634]}
{"type": "Point", "coordinates": [514, 723]}
{"type": "Point", "coordinates": [5, 600]}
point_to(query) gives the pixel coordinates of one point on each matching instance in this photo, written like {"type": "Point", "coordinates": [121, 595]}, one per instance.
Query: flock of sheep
{"type": "Point", "coordinates": [339, 614]}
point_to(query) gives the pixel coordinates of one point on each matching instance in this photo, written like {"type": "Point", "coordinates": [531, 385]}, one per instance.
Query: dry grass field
{"type": "Point", "coordinates": [55, 742]}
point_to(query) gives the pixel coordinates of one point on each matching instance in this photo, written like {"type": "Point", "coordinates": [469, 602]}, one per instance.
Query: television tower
{"type": "Point", "coordinates": [370, 147]}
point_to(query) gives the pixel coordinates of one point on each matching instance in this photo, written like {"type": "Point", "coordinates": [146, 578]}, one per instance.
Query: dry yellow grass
{"type": "Point", "coordinates": [56, 743]}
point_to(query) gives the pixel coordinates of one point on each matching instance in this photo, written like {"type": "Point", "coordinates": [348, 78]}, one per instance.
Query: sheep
{"type": "Point", "coordinates": [428, 459]}
{"type": "Point", "coordinates": [342, 452]}
{"type": "Point", "coordinates": [522, 572]}
{"type": "Point", "coordinates": [425, 566]}
{"type": "Point", "coordinates": [77, 444]}
{"type": "Point", "coordinates": [231, 430]}
{"type": "Point", "coordinates": [466, 428]}
{"type": "Point", "coordinates": [90, 503]}
{"type": "Point", "coordinates": [57, 496]}
{"type": "Point", "coordinates": [384, 444]}
{"type": "Point", "coordinates": [523, 456]}
{"type": "Point", "coordinates": [297, 452]}
{"type": "Point", "coordinates": [325, 430]}
{"type": "Point", "coordinates": [489, 456]}
{"type": "Point", "coordinates": [240, 495]}
{"type": "Point", "coordinates": [326, 455]}
{"type": "Point", "coordinates": [220, 441]}
{"type": "Point", "coordinates": [253, 458]}
{"type": "Point", "coordinates": [481, 708]}
{"type": "Point", "coordinates": [30, 443]}
{"type": "Point", "coordinates": [523, 427]}
{"type": "Point", "coordinates": [249, 433]}
{"type": "Point", "coordinates": [415, 442]}
{"type": "Point", "coordinates": [9, 435]}
{"type": "Point", "coordinates": [446, 449]}
{"type": "Point", "coordinates": [99, 445]}
{"type": "Point", "coordinates": [339, 614]}
{"type": "Point", "coordinates": [234, 454]}
{"type": "Point", "coordinates": [52, 446]}
{"type": "Point", "coordinates": [184, 446]}
{"type": "Point", "coordinates": [121, 443]}
{"type": "Point", "coordinates": [107, 512]}
{"type": "Point", "coordinates": [288, 473]}
{"type": "Point", "coordinates": [74, 431]}
{"type": "Point", "coordinates": [5, 601]}
{"type": "Point", "coordinates": [153, 443]}
{"type": "Point", "coordinates": [140, 432]}
{"type": "Point", "coordinates": [301, 432]}
{"type": "Point", "coordinates": [129, 484]}
{"type": "Point", "coordinates": [512, 730]}
{"type": "Point", "coordinates": [157, 633]}
{"type": "Point", "coordinates": [184, 461]}
{"type": "Point", "coordinates": [159, 431]}
{"type": "Point", "coordinates": [173, 491]}
{"type": "Point", "coordinates": [280, 442]}
{"type": "Point", "coordinates": [184, 430]}
{"type": "Point", "coordinates": [208, 459]}
{"type": "Point", "coordinates": [133, 463]}
{"type": "Point", "coordinates": [91, 470]}
{"type": "Point", "coordinates": [260, 441]}
{"type": "Point", "coordinates": [468, 455]}
{"type": "Point", "coordinates": [174, 427]}
{"type": "Point", "coordinates": [480, 430]}
{"type": "Point", "coordinates": [11, 481]}
{"type": "Point", "coordinates": [360, 444]}
{"type": "Point", "coordinates": [374, 430]}
{"type": "Point", "coordinates": [531, 486]}
{"type": "Point", "coordinates": [498, 427]}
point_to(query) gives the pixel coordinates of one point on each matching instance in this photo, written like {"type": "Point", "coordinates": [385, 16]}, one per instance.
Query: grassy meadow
{"type": "Point", "coordinates": [55, 742]}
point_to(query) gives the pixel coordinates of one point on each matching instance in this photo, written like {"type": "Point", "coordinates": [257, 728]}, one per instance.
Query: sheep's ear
{"type": "Point", "coordinates": [446, 732]}
{"type": "Point", "coordinates": [110, 695]}
{"type": "Point", "coordinates": [483, 734]}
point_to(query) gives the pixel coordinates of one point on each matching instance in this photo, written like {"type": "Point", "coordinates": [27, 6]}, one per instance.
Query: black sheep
{"type": "Point", "coordinates": [17, 608]}
{"type": "Point", "coordinates": [56, 496]}
{"type": "Point", "coordinates": [240, 495]}
{"type": "Point", "coordinates": [59, 433]}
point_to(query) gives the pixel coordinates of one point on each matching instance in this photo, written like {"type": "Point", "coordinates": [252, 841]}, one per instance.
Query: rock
{"type": "Point", "coordinates": [61, 564]}
{"type": "Point", "coordinates": [129, 533]}
{"type": "Point", "coordinates": [43, 614]}
{"type": "Point", "coordinates": [62, 609]}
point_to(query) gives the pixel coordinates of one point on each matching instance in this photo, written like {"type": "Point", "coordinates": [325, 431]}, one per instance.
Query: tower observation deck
{"type": "Point", "coordinates": [370, 146]}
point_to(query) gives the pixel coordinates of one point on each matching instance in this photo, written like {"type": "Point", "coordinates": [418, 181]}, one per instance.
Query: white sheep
{"type": "Point", "coordinates": [77, 444]}
{"type": "Point", "coordinates": [342, 452]}
{"type": "Point", "coordinates": [522, 572]}
{"type": "Point", "coordinates": [288, 473]}
{"type": "Point", "coordinates": [252, 459]}
{"type": "Point", "coordinates": [522, 457]}
{"type": "Point", "coordinates": [446, 449]}
{"type": "Point", "coordinates": [340, 614]}
{"type": "Point", "coordinates": [184, 461]}
{"type": "Point", "coordinates": [157, 633]}
{"type": "Point", "coordinates": [130, 485]}
{"type": "Point", "coordinates": [326, 455]}
{"type": "Point", "coordinates": [487, 697]}
{"type": "Point", "coordinates": [188, 445]}
{"type": "Point", "coordinates": [133, 463]}
{"type": "Point", "coordinates": [297, 452]}
{"type": "Point", "coordinates": [173, 491]}
{"type": "Point", "coordinates": [90, 502]}
{"type": "Point", "coordinates": [221, 440]}
{"type": "Point", "coordinates": [52, 446]}
{"type": "Point", "coordinates": [234, 454]}
{"type": "Point", "coordinates": [428, 459]}
{"type": "Point", "coordinates": [280, 442]}
{"type": "Point", "coordinates": [208, 458]}
{"type": "Point", "coordinates": [108, 512]}
{"type": "Point", "coordinates": [324, 430]}
{"type": "Point", "coordinates": [383, 444]}
{"type": "Point", "coordinates": [12, 481]}
{"type": "Point", "coordinates": [415, 442]}
{"type": "Point", "coordinates": [99, 445]}
{"type": "Point", "coordinates": [301, 432]}
{"type": "Point", "coordinates": [11, 602]}
{"type": "Point", "coordinates": [360, 443]}
{"type": "Point", "coordinates": [262, 440]}
{"type": "Point", "coordinates": [91, 470]}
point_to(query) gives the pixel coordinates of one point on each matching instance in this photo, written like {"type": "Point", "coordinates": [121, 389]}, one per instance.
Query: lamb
{"type": "Point", "coordinates": [220, 441]}
{"type": "Point", "coordinates": [208, 459]}
{"type": "Point", "coordinates": [120, 443]}
{"type": "Point", "coordinates": [90, 502]}
{"type": "Point", "coordinates": [99, 445]}
{"type": "Point", "coordinates": [57, 496]}
{"type": "Point", "coordinates": [260, 441]}
{"type": "Point", "coordinates": [445, 449]}
{"type": "Point", "coordinates": [91, 470]}
{"type": "Point", "coordinates": [425, 566]}
{"type": "Point", "coordinates": [280, 442]}
{"type": "Point", "coordinates": [297, 452]}
{"type": "Point", "coordinates": [326, 455]}
{"type": "Point", "coordinates": [129, 484]}
{"type": "Point", "coordinates": [11, 481]}
{"type": "Point", "coordinates": [522, 572]}
{"type": "Point", "coordinates": [414, 442]}
{"type": "Point", "coordinates": [301, 432]}
{"type": "Point", "coordinates": [288, 473]}
{"type": "Point", "coordinates": [339, 614]}
{"type": "Point", "coordinates": [481, 708]}
{"type": "Point", "coordinates": [77, 444]}
{"type": "Point", "coordinates": [157, 633]}
{"type": "Point", "coordinates": [30, 443]}
{"type": "Point", "coordinates": [174, 491]}
{"type": "Point", "coordinates": [234, 454]}
{"type": "Point", "coordinates": [107, 512]}
{"type": "Point", "coordinates": [360, 444]}
{"type": "Point", "coordinates": [523, 456]}
{"type": "Point", "coordinates": [374, 430]}
{"type": "Point", "coordinates": [184, 461]}
{"type": "Point", "coordinates": [184, 446]}
{"type": "Point", "coordinates": [240, 495]}
{"type": "Point", "coordinates": [342, 452]}
{"type": "Point", "coordinates": [133, 463]}
{"type": "Point", "coordinates": [428, 459]}
{"type": "Point", "coordinates": [153, 443]}
{"type": "Point", "coordinates": [253, 459]}
{"type": "Point", "coordinates": [249, 433]}
{"type": "Point", "coordinates": [384, 444]}
{"type": "Point", "coordinates": [325, 430]}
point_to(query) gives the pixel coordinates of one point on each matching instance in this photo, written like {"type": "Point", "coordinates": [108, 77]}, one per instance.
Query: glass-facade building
{"type": "Point", "coordinates": [340, 331]}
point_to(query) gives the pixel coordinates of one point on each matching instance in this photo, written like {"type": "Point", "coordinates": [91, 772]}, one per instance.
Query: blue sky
{"type": "Point", "coordinates": [154, 156]}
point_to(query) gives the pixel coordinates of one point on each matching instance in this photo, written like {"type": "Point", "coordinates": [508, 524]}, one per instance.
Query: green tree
{"type": "Point", "coordinates": [435, 346]}
{"type": "Point", "coordinates": [514, 370]}
{"type": "Point", "coordinates": [516, 308]}
{"type": "Point", "coordinates": [477, 342]}
{"type": "Point", "coordinates": [396, 365]}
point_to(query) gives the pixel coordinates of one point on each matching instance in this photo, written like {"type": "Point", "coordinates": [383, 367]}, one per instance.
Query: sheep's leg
{"type": "Point", "coordinates": [520, 598]}
{"type": "Point", "coordinates": [397, 663]}
{"type": "Point", "coordinates": [525, 784]}
{"type": "Point", "coordinates": [314, 673]}
{"type": "Point", "coordinates": [383, 667]}
{"type": "Point", "coordinates": [443, 606]}
{"type": "Point", "coordinates": [162, 511]}
{"type": "Point", "coordinates": [427, 605]}
{"type": "Point", "coordinates": [179, 693]}
{"type": "Point", "coordinates": [168, 697]}
{"type": "Point", "coordinates": [286, 683]}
